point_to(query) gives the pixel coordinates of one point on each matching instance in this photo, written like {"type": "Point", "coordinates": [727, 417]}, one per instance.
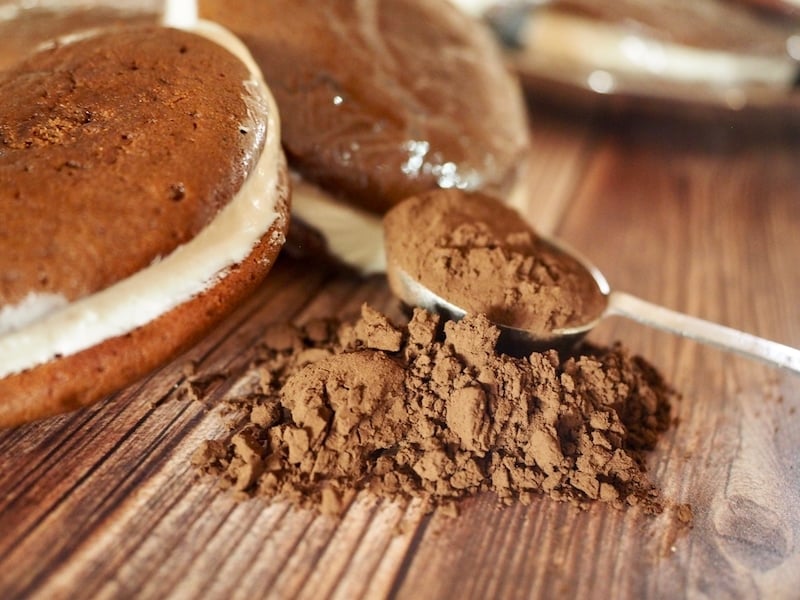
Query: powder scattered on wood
{"type": "Point", "coordinates": [431, 410]}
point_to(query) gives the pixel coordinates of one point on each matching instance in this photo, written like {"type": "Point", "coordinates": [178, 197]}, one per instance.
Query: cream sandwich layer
{"type": "Point", "coordinates": [175, 279]}
{"type": "Point", "coordinates": [553, 35]}
{"type": "Point", "coordinates": [352, 235]}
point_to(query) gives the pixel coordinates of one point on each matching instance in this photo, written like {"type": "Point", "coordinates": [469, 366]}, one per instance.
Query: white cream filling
{"type": "Point", "coordinates": [30, 309]}
{"type": "Point", "coordinates": [186, 272]}
{"type": "Point", "coordinates": [353, 235]}
{"type": "Point", "coordinates": [554, 36]}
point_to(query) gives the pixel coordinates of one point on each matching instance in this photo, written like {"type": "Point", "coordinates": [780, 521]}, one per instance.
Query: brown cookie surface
{"type": "Point", "coordinates": [380, 100]}
{"type": "Point", "coordinates": [710, 24]}
{"type": "Point", "coordinates": [114, 150]}
{"type": "Point", "coordinates": [776, 8]}
{"type": "Point", "coordinates": [23, 28]}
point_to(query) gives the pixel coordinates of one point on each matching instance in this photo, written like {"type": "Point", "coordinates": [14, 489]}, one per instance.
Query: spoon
{"type": "Point", "coordinates": [617, 303]}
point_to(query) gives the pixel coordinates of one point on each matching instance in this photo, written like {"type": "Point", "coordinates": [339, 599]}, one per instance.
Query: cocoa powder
{"type": "Point", "coordinates": [431, 410]}
{"type": "Point", "coordinates": [482, 256]}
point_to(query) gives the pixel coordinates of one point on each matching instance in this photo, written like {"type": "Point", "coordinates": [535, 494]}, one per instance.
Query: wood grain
{"type": "Point", "coordinates": [103, 503]}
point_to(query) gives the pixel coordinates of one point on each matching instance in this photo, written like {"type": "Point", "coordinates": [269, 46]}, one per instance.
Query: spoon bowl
{"type": "Point", "coordinates": [617, 303]}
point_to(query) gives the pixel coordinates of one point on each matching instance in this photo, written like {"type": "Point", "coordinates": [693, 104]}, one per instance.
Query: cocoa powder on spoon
{"type": "Point", "coordinates": [481, 256]}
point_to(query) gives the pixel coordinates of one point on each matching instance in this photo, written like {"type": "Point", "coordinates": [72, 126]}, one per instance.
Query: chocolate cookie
{"type": "Point", "coordinates": [711, 24]}
{"type": "Point", "coordinates": [143, 192]}
{"type": "Point", "coordinates": [25, 26]}
{"type": "Point", "coordinates": [779, 8]}
{"type": "Point", "coordinates": [707, 42]}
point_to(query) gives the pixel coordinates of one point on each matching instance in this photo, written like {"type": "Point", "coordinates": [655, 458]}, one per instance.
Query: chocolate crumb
{"type": "Point", "coordinates": [685, 514]}
{"type": "Point", "coordinates": [177, 192]}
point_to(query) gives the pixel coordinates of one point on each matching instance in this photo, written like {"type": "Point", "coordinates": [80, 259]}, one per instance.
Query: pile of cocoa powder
{"type": "Point", "coordinates": [431, 410]}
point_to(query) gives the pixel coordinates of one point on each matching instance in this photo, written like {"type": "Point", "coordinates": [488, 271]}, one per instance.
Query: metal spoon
{"type": "Point", "coordinates": [413, 293]}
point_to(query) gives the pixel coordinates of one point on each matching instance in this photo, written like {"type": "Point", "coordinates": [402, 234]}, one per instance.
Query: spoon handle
{"type": "Point", "coordinates": [726, 338]}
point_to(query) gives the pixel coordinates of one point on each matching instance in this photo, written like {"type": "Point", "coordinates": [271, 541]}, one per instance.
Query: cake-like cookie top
{"type": "Point", "coordinates": [24, 28]}
{"type": "Point", "coordinates": [380, 100]}
{"type": "Point", "coordinates": [711, 24]}
{"type": "Point", "coordinates": [114, 150]}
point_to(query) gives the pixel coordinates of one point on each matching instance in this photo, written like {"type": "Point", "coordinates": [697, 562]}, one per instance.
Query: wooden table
{"type": "Point", "coordinates": [702, 218]}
